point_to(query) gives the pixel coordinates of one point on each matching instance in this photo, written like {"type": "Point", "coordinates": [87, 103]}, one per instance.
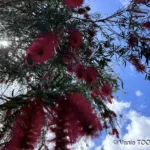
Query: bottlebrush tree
{"type": "Point", "coordinates": [61, 55]}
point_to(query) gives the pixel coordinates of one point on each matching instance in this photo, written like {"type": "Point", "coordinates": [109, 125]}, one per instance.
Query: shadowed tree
{"type": "Point", "coordinates": [60, 55]}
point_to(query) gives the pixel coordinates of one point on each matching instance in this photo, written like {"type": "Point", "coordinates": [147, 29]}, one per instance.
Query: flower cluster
{"type": "Point", "coordinates": [146, 25]}
{"type": "Point", "coordinates": [75, 38]}
{"type": "Point", "coordinates": [140, 1]}
{"type": "Point", "coordinates": [89, 74]}
{"type": "Point", "coordinates": [41, 49]}
{"type": "Point", "coordinates": [138, 65]}
{"type": "Point", "coordinates": [74, 3]}
{"type": "Point", "coordinates": [132, 40]}
{"type": "Point", "coordinates": [26, 130]}
{"type": "Point", "coordinates": [105, 92]}
{"type": "Point", "coordinates": [115, 132]}
{"type": "Point", "coordinates": [73, 117]}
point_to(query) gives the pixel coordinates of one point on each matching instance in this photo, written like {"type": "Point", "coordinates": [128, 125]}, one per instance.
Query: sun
{"type": "Point", "coordinates": [4, 43]}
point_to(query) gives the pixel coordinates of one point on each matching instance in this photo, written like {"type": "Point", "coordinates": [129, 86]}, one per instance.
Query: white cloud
{"type": "Point", "coordinates": [139, 126]}
{"type": "Point", "coordinates": [118, 107]}
{"type": "Point", "coordinates": [124, 2]}
{"type": "Point", "coordinates": [136, 129]}
{"type": "Point", "coordinates": [131, 67]}
{"type": "Point", "coordinates": [138, 93]}
{"type": "Point", "coordinates": [84, 143]}
{"type": "Point", "coordinates": [98, 148]}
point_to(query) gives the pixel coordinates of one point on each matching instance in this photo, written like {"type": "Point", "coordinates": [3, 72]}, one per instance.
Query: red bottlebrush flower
{"type": "Point", "coordinates": [146, 25]}
{"type": "Point", "coordinates": [138, 65]}
{"type": "Point", "coordinates": [106, 90]}
{"type": "Point", "coordinates": [140, 68]}
{"type": "Point", "coordinates": [106, 115]}
{"type": "Point", "coordinates": [132, 41]}
{"type": "Point", "coordinates": [115, 132]}
{"type": "Point", "coordinates": [95, 92]}
{"type": "Point", "coordinates": [90, 39]}
{"type": "Point", "coordinates": [91, 124]}
{"type": "Point", "coordinates": [105, 125]}
{"type": "Point", "coordinates": [87, 8]}
{"type": "Point", "coordinates": [80, 72]}
{"type": "Point", "coordinates": [140, 1]}
{"type": "Point", "coordinates": [27, 128]}
{"type": "Point", "coordinates": [91, 75]}
{"type": "Point", "coordinates": [86, 16]}
{"type": "Point", "coordinates": [71, 67]}
{"type": "Point", "coordinates": [113, 113]}
{"type": "Point", "coordinates": [109, 100]}
{"type": "Point", "coordinates": [71, 121]}
{"type": "Point", "coordinates": [74, 3]}
{"type": "Point", "coordinates": [111, 96]}
{"type": "Point", "coordinates": [60, 138]}
{"type": "Point", "coordinates": [89, 52]}
{"type": "Point", "coordinates": [75, 38]}
{"type": "Point", "coordinates": [81, 11]}
{"type": "Point", "coordinates": [91, 33]}
{"type": "Point", "coordinates": [41, 49]}
{"type": "Point", "coordinates": [67, 58]}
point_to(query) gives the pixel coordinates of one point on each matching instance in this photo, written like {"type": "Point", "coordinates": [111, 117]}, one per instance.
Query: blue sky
{"type": "Point", "coordinates": [134, 105]}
